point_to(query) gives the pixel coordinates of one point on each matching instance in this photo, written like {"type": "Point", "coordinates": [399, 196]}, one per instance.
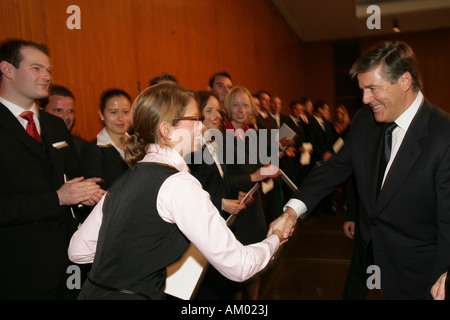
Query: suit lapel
{"type": "Point", "coordinates": [407, 155]}
{"type": "Point", "coordinates": [11, 124]}
{"type": "Point", "coordinates": [373, 154]}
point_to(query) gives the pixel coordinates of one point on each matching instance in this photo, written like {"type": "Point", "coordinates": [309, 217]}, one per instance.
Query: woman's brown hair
{"type": "Point", "coordinates": [156, 104]}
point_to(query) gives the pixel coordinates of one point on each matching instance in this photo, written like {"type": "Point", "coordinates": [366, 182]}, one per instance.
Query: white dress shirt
{"type": "Point", "coordinates": [182, 201]}
{"type": "Point", "coordinates": [403, 122]}
{"type": "Point", "coordinates": [399, 132]}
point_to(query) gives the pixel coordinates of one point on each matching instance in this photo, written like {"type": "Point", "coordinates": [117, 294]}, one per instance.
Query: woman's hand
{"type": "Point", "coordinates": [233, 206]}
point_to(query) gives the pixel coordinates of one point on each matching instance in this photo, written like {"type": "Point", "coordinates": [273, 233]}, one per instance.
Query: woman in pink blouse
{"type": "Point", "coordinates": [153, 211]}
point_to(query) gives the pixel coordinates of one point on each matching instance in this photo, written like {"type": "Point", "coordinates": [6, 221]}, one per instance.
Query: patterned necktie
{"type": "Point", "coordinates": [31, 126]}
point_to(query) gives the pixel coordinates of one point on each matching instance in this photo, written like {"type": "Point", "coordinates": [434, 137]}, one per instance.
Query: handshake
{"type": "Point", "coordinates": [284, 225]}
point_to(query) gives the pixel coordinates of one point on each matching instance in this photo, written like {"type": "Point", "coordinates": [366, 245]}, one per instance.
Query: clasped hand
{"type": "Point", "coordinates": [80, 191]}
{"type": "Point", "coordinates": [284, 225]}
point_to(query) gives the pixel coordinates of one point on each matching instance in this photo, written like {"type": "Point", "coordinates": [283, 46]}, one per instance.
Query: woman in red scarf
{"type": "Point", "coordinates": [243, 171]}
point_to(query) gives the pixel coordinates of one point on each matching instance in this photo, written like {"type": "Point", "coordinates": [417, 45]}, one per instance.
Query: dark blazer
{"type": "Point", "coordinates": [102, 162]}
{"type": "Point", "coordinates": [250, 226]}
{"type": "Point", "coordinates": [79, 144]}
{"type": "Point", "coordinates": [262, 122]}
{"type": "Point", "coordinates": [298, 128]}
{"type": "Point", "coordinates": [408, 224]}
{"type": "Point", "coordinates": [321, 140]}
{"type": "Point", "coordinates": [208, 174]}
{"type": "Point", "coordinates": [291, 165]}
{"type": "Point", "coordinates": [35, 229]}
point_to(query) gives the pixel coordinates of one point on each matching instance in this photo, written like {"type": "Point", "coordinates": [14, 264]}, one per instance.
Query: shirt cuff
{"type": "Point", "coordinates": [298, 206]}
{"type": "Point", "coordinates": [274, 243]}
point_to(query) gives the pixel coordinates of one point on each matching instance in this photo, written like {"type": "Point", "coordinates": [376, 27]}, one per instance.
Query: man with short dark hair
{"type": "Point", "coordinates": [398, 148]}
{"type": "Point", "coordinates": [38, 167]}
{"type": "Point", "coordinates": [221, 84]}
{"type": "Point", "coordinates": [61, 103]}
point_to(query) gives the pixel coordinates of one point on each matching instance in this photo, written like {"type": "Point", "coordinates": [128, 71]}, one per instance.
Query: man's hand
{"type": "Point", "coordinates": [438, 289]}
{"type": "Point", "coordinates": [349, 229]}
{"type": "Point", "coordinates": [284, 225]}
{"type": "Point", "coordinates": [79, 190]}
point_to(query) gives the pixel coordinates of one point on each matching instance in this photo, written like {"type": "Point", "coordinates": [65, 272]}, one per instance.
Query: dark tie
{"type": "Point", "coordinates": [388, 141]}
{"type": "Point", "coordinates": [31, 126]}
{"type": "Point", "coordinates": [386, 154]}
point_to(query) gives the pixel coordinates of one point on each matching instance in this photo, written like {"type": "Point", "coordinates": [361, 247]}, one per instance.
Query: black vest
{"type": "Point", "coordinates": [134, 245]}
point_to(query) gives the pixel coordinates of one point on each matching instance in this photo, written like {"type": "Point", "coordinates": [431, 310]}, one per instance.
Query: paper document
{"type": "Point", "coordinates": [305, 157]}
{"type": "Point", "coordinates": [249, 194]}
{"type": "Point", "coordinates": [338, 145]}
{"type": "Point", "coordinates": [286, 132]}
{"type": "Point", "coordinates": [184, 276]}
{"type": "Point", "coordinates": [288, 181]}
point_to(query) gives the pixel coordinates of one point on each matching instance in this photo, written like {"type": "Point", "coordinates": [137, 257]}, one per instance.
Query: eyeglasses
{"type": "Point", "coordinates": [192, 118]}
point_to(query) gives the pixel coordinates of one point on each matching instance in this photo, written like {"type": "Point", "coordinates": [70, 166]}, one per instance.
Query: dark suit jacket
{"type": "Point", "coordinates": [408, 224]}
{"type": "Point", "coordinates": [102, 162]}
{"type": "Point", "coordinates": [250, 226]}
{"type": "Point", "coordinates": [321, 140]}
{"type": "Point", "coordinates": [291, 165]}
{"type": "Point", "coordinates": [79, 144]}
{"type": "Point", "coordinates": [208, 174]}
{"type": "Point", "coordinates": [299, 130]}
{"type": "Point", "coordinates": [35, 229]}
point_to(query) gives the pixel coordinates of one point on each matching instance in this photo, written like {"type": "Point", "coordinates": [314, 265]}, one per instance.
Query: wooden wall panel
{"type": "Point", "coordinates": [99, 56]}
{"type": "Point", "coordinates": [194, 39]}
{"type": "Point", "coordinates": [319, 71]}
{"type": "Point", "coordinates": [123, 42]}
{"type": "Point", "coordinates": [22, 19]}
{"type": "Point", "coordinates": [175, 36]}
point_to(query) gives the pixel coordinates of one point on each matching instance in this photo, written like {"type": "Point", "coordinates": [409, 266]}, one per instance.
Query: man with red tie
{"type": "Point", "coordinates": [38, 179]}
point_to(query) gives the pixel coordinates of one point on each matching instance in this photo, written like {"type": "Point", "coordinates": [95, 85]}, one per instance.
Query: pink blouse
{"type": "Point", "coordinates": [181, 200]}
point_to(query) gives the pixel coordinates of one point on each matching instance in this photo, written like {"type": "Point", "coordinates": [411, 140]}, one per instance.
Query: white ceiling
{"type": "Point", "coordinates": [320, 20]}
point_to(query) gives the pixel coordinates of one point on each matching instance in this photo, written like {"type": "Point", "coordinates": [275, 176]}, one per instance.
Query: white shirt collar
{"type": "Point", "coordinates": [263, 113]}
{"type": "Point", "coordinates": [16, 110]}
{"type": "Point", "coordinates": [165, 155]}
{"type": "Point", "coordinates": [104, 140]}
{"type": "Point", "coordinates": [407, 116]}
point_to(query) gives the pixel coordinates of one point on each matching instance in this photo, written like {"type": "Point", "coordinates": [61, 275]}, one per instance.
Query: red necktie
{"type": "Point", "coordinates": [268, 122]}
{"type": "Point", "coordinates": [31, 126]}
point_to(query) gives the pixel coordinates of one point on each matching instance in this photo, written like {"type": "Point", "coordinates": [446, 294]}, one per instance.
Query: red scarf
{"type": "Point", "coordinates": [229, 126]}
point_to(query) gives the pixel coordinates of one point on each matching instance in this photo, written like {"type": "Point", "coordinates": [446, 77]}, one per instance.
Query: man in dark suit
{"type": "Point", "coordinates": [322, 137]}
{"type": "Point", "coordinates": [36, 161]}
{"type": "Point", "coordinates": [61, 103]}
{"type": "Point", "coordinates": [290, 164]}
{"type": "Point", "coordinates": [404, 206]}
{"type": "Point", "coordinates": [320, 132]}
